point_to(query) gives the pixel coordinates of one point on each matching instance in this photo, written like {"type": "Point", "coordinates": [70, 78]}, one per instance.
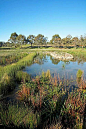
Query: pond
{"type": "Point", "coordinates": [65, 69]}
{"type": "Point", "coordinates": [40, 101]}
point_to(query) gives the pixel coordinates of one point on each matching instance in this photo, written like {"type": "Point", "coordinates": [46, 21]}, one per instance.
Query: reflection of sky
{"type": "Point", "coordinates": [70, 69]}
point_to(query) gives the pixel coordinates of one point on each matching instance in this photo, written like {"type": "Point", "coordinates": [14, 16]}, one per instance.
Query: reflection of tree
{"type": "Point", "coordinates": [54, 61]}
{"type": "Point", "coordinates": [40, 59]}
{"type": "Point", "coordinates": [66, 62]}
{"type": "Point", "coordinates": [80, 60]}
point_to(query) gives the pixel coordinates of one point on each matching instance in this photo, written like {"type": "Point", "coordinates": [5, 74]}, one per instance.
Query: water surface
{"type": "Point", "coordinates": [65, 69]}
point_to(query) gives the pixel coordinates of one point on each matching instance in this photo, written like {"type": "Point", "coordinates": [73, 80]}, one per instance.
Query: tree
{"type": "Point", "coordinates": [31, 39]}
{"type": "Point", "coordinates": [56, 39]}
{"type": "Point", "coordinates": [63, 41]}
{"type": "Point", "coordinates": [82, 41]}
{"type": "Point", "coordinates": [45, 39]}
{"type": "Point", "coordinates": [39, 39]}
{"type": "Point", "coordinates": [21, 39]}
{"type": "Point", "coordinates": [75, 41]}
{"type": "Point", "coordinates": [85, 40]}
{"type": "Point", "coordinates": [1, 44]}
{"type": "Point", "coordinates": [68, 39]}
{"type": "Point", "coordinates": [13, 38]}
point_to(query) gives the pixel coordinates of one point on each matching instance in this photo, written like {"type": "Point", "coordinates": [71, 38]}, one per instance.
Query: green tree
{"type": "Point", "coordinates": [82, 41]}
{"type": "Point", "coordinates": [13, 38]}
{"type": "Point", "coordinates": [31, 39]}
{"type": "Point", "coordinates": [45, 40]}
{"type": "Point", "coordinates": [39, 39]}
{"type": "Point", "coordinates": [63, 41]}
{"type": "Point", "coordinates": [1, 44]}
{"type": "Point", "coordinates": [68, 39]}
{"type": "Point", "coordinates": [85, 40]}
{"type": "Point", "coordinates": [75, 41]}
{"type": "Point", "coordinates": [56, 39]}
{"type": "Point", "coordinates": [8, 44]}
{"type": "Point", "coordinates": [21, 39]}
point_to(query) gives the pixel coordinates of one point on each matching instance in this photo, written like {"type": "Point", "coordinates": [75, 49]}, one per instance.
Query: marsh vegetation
{"type": "Point", "coordinates": [48, 94]}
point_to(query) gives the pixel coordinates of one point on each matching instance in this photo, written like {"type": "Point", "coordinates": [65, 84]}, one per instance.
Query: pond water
{"type": "Point", "coordinates": [67, 69]}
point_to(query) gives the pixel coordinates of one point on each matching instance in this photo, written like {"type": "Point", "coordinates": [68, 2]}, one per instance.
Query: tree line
{"type": "Point", "coordinates": [19, 40]}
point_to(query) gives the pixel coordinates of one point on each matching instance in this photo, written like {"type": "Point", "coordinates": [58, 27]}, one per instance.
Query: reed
{"type": "Point", "coordinates": [73, 110]}
{"type": "Point", "coordinates": [43, 94]}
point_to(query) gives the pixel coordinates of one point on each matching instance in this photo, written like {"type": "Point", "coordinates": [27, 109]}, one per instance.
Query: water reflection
{"type": "Point", "coordinates": [64, 68]}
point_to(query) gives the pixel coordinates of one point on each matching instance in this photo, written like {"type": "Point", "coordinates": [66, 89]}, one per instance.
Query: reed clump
{"type": "Point", "coordinates": [43, 94]}
{"type": "Point", "coordinates": [73, 110]}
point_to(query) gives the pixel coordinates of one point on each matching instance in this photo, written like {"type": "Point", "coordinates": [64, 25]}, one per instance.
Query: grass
{"type": "Point", "coordinates": [18, 115]}
{"type": "Point", "coordinates": [4, 60]}
{"type": "Point", "coordinates": [9, 72]}
{"type": "Point", "coordinates": [43, 101]}
{"type": "Point", "coordinates": [42, 97]}
{"type": "Point", "coordinates": [73, 110]}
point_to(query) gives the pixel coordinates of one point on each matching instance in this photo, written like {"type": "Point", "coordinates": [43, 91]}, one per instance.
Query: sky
{"type": "Point", "coordinates": [47, 17]}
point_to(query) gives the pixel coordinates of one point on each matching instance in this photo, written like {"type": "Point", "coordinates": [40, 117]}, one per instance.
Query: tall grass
{"type": "Point", "coordinates": [18, 116]}
{"type": "Point", "coordinates": [73, 110]}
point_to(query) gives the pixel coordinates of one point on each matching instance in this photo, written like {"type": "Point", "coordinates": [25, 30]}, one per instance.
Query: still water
{"type": "Point", "coordinates": [67, 69]}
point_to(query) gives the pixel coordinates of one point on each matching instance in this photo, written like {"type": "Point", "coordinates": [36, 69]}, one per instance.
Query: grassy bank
{"type": "Point", "coordinates": [15, 57]}
{"type": "Point", "coordinates": [7, 73]}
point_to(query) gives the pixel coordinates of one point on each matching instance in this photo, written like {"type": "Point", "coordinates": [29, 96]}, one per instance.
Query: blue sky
{"type": "Point", "coordinates": [47, 17]}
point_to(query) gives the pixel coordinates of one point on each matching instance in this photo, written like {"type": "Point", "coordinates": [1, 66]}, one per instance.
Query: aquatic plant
{"type": "Point", "coordinates": [48, 75]}
{"type": "Point", "coordinates": [43, 94]}
{"type": "Point", "coordinates": [73, 110]}
{"type": "Point", "coordinates": [79, 73]}
{"type": "Point", "coordinates": [82, 85]}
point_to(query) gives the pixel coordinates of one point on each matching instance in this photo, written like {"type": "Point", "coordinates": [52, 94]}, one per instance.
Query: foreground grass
{"type": "Point", "coordinates": [40, 100]}
{"type": "Point", "coordinates": [44, 104]}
